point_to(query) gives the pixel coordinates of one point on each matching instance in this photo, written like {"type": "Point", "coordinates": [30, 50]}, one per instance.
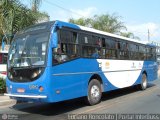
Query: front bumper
{"type": "Point", "coordinates": [26, 96]}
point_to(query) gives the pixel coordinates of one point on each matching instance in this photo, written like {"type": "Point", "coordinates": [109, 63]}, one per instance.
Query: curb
{"type": "Point", "coordinates": [5, 101]}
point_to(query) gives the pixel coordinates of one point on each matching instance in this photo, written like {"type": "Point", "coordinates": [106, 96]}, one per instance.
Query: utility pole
{"type": "Point", "coordinates": [148, 35]}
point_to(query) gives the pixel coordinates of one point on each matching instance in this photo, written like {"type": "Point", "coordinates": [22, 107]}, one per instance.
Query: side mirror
{"type": "Point", "coordinates": [54, 37]}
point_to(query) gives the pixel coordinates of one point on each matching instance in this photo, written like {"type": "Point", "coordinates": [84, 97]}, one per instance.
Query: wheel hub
{"type": "Point", "coordinates": [95, 91]}
{"type": "Point", "coordinates": [144, 83]}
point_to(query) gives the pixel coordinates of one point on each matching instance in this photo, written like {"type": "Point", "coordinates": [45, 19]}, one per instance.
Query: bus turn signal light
{"type": "Point", "coordinates": [41, 88]}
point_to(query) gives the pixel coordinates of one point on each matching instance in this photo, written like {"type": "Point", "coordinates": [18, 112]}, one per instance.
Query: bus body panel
{"type": "Point", "coordinates": [73, 81]}
{"type": "Point", "coordinates": [29, 88]}
{"type": "Point", "coordinates": [63, 84]}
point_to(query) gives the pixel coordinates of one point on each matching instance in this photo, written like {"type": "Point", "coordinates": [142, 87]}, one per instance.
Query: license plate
{"type": "Point", "coordinates": [20, 90]}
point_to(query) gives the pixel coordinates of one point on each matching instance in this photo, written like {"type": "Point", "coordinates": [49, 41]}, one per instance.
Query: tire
{"type": "Point", "coordinates": [143, 84]}
{"type": "Point", "coordinates": [94, 92]}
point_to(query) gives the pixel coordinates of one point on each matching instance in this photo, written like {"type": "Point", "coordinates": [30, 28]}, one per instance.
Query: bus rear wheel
{"type": "Point", "coordinates": [143, 84]}
{"type": "Point", "coordinates": [94, 92]}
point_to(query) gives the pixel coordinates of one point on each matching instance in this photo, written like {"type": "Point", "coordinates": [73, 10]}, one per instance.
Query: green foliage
{"type": "Point", "coordinates": [129, 35]}
{"type": "Point", "coordinates": [2, 85]}
{"type": "Point", "coordinates": [14, 16]}
{"type": "Point", "coordinates": [106, 22]}
{"type": "Point", "coordinates": [35, 4]}
{"type": "Point", "coordinates": [81, 21]}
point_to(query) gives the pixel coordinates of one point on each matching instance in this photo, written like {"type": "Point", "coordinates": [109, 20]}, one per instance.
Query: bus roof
{"type": "Point", "coordinates": [37, 27]}
{"type": "Point", "coordinates": [48, 25]}
{"type": "Point", "coordinates": [65, 24]}
{"type": "Point", "coordinates": [111, 35]}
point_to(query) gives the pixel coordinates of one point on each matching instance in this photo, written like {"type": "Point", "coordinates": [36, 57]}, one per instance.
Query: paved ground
{"type": "Point", "coordinates": [6, 101]}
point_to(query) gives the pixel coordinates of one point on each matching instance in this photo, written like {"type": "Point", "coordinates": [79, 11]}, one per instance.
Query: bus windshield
{"type": "Point", "coordinates": [28, 50]}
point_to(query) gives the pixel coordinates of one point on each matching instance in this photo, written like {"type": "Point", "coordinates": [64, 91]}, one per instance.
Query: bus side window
{"type": "Point", "coordinates": [60, 54]}
{"type": "Point", "coordinates": [68, 47]}
{"type": "Point", "coordinates": [73, 48]}
{"type": "Point", "coordinates": [96, 53]}
{"type": "Point", "coordinates": [103, 42]}
{"type": "Point", "coordinates": [118, 52]}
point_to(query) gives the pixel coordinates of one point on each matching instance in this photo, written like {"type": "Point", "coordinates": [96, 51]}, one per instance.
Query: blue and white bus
{"type": "Point", "coordinates": [57, 61]}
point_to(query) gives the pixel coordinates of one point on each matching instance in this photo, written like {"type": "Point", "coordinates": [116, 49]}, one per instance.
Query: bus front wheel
{"type": "Point", "coordinates": [143, 84]}
{"type": "Point", "coordinates": [94, 92]}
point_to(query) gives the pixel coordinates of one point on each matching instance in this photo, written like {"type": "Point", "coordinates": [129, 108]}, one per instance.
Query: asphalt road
{"type": "Point", "coordinates": [124, 101]}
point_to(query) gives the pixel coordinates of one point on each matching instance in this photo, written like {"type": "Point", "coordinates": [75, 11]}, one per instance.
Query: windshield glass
{"type": "Point", "coordinates": [28, 50]}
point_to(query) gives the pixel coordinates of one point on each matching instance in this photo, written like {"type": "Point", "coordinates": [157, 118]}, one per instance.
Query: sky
{"type": "Point", "coordinates": [138, 16]}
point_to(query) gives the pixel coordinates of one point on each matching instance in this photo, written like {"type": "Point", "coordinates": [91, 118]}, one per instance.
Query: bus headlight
{"type": "Point", "coordinates": [36, 73]}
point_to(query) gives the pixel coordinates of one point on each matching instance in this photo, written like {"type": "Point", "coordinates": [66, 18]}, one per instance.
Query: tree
{"type": "Point", "coordinates": [80, 21]}
{"type": "Point", "coordinates": [106, 22]}
{"type": "Point", "coordinates": [7, 14]}
{"type": "Point", "coordinates": [35, 4]}
{"type": "Point", "coordinates": [14, 16]}
{"type": "Point", "coordinates": [129, 35]}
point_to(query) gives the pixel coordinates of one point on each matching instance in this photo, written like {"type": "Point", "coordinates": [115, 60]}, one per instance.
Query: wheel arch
{"type": "Point", "coordinates": [98, 77]}
{"type": "Point", "coordinates": [144, 72]}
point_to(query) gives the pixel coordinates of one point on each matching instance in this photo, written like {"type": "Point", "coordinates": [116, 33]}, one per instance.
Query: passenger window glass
{"type": "Point", "coordinates": [68, 47]}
